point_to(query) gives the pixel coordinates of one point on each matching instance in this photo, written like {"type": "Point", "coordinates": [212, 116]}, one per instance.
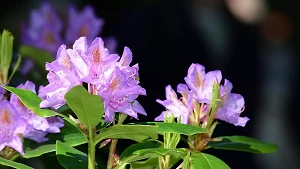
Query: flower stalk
{"type": "Point", "coordinates": [112, 149]}
{"type": "Point", "coordinates": [91, 149]}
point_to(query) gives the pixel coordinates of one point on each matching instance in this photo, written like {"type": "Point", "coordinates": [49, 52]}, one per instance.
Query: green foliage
{"type": "Point", "coordinates": [242, 143]}
{"type": "Point", "coordinates": [133, 132]}
{"type": "Point", "coordinates": [31, 101]}
{"type": "Point", "coordinates": [88, 108]}
{"type": "Point", "coordinates": [177, 128]}
{"type": "Point", "coordinates": [6, 52]}
{"type": "Point", "coordinates": [69, 157]}
{"type": "Point", "coordinates": [198, 160]}
{"type": "Point", "coordinates": [13, 164]}
{"type": "Point", "coordinates": [40, 57]}
{"type": "Point", "coordinates": [69, 135]}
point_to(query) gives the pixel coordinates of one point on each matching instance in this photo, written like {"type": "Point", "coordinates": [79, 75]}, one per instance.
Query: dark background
{"type": "Point", "coordinates": [257, 51]}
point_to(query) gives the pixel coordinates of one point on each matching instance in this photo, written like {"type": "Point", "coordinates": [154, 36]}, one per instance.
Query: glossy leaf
{"type": "Point", "coordinates": [242, 143]}
{"type": "Point", "coordinates": [151, 163]}
{"type": "Point", "coordinates": [178, 128]}
{"type": "Point", "coordinates": [69, 134]}
{"type": "Point", "coordinates": [133, 132]}
{"type": "Point", "coordinates": [206, 161]}
{"type": "Point", "coordinates": [69, 157]}
{"type": "Point", "coordinates": [13, 164]}
{"type": "Point", "coordinates": [88, 108]}
{"type": "Point", "coordinates": [31, 101]}
{"type": "Point", "coordinates": [138, 146]}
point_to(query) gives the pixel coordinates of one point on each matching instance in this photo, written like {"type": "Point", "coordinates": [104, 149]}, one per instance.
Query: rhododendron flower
{"type": "Point", "coordinates": [46, 31]}
{"type": "Point", "coordinates": [197, 97]}
{"type": "Point", "coordinates": [83, 23]}
{"type": "Point", "coordinates": [108, 76]}
{"type": "Point", "coordinates": [175, 106]}
{"type": "Point", "coordinates": [201, 83]}
{"type": "Point", "coordinates": [91, 61]}
{"type": "Point", "coordinates": [233, 106]}
{"type": "Point", "coordinates": [37, 127]}
{"type": "Point", "coordinates": [12, 127]}
{"type": "Point", "coordinates": [43, 29]}
{"type": "Point", "coordinates": [117, 96]}
{"type": "Point", "coordinates": [62, 77]}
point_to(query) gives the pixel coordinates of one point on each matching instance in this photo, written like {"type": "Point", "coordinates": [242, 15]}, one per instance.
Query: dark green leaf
{"type": "Point", "coordinates": [138, 146]}
{"type": "Point", "coordinates": [13, 164]}
{"type": "Point", "coordinates": [40, 57]}
{"type": "Point", "coordinates": [69, 157]}
{"type": "Point", "coordinates": [242, 143]}
{"type": "Point", "coordinates": [65, 109]}
{"type": "Point", "coordinates": [206, 161]}
{"type": "Point", "coordinates": [69, 135]}
{"type": "Point", "coordinates": [31, 101]}
{"type": "Point", "coordinates": [88, 108]}
{"type": "Point", "coordinates": [133, 132]}
{"type": "Point", "coordinates": [178, 128]}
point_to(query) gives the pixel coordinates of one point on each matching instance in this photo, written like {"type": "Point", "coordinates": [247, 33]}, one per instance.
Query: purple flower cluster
{"type": "Point", "coordinates": [46, 30]}
{"type": "Point", "coordinates": [17, 122]}
{"type": "Point", "coordinates": [106, 74]}
{"type": "Point", "coordinates": [197, 96]}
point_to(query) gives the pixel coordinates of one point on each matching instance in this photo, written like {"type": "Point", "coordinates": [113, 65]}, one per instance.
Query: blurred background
{"type": "Point", "coordinates": [255, 43]}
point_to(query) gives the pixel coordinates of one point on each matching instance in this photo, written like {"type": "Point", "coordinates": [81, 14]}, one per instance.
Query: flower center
{"type": "Point", "coordinates": [96, 55]}
{"type": "Point", "coordinates": [66, 62]}
{"type": "Point", "coordinates": [5, 117]}
{"type": "Point", "coordinates": [198, 80]}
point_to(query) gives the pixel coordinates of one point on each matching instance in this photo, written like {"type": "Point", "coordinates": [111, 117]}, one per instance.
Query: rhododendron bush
{"type": "Point", "coordinates": [100, 90]}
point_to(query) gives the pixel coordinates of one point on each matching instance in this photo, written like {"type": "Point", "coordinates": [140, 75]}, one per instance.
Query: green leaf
{"type": "Point", "coordinates": [160, 151]}
{"type": "Point", "coordinates": [176, 154]}
{"type": "Point", "coordinates": [40, 57]}
{"type": "Point", "coordinates": [178, 128]}
{"type": "Point", "coordinates": [151, 163]}
{"type": "Point", "coordinates": [88, 108]}
{"type": "Point", "coordinates": [186, 161]}
{"type": "Point", "coordinates": [69, 157]}
{"type": "Point", "coordinates": [13, 164]}
{"type": "Point", "coordinates": [138, 146]}
{"type": "Point", "coordinates": [242, 143]}
{"type": "Point", "coordinates": [206, 161]}
{"type": "Point", "coordinates": [6, 52]}
{"type": "Point", "coordinates": [31, 101]}
{"type": "Point", "coordinates": [65, 109]}
{"type": "Point", "coordinates": [133, 132]}
{"type": "Point", "coordinates": [69, 134]}
{"type": "Point", "coordinates": [17, 64]}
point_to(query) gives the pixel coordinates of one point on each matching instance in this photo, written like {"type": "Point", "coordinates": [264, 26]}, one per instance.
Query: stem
{"type": "Point", "coordinates": [113, 145]}
{"type": "Point", "coordinates": [112, 150]}
{"type": "Point", "coordinates": [91, 150]}
{"type": "Point", "coordinates": [167, 161]}
{"type": "Point", "coordinates": [160, 162]}
{"type": "Point", "coordinates": [89, 87]}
